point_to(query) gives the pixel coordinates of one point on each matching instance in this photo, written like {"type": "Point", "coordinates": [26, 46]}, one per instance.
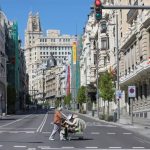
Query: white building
{"type": "Point", "coordinates": [3, 68]}
{"type": "Point", "coordinates": [38, 47]}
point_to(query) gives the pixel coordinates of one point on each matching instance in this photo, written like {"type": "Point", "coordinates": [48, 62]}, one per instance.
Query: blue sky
{"type": "Point", "coordinates": [54, 14]}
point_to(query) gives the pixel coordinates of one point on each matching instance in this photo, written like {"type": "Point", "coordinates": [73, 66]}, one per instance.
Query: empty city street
{"type": "Point", "coordinates": [31, 131]}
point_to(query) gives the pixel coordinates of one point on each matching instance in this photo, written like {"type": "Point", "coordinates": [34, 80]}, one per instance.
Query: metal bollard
{"type": "Point", "coordinates": [93, 113]}
{"type": "Point", "coordinates": [115, 117]}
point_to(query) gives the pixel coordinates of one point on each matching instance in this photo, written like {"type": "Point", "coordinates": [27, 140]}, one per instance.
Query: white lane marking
{"type": "Point", "coordinates": [138, 147]}
{"type": "Point", "coordinates": [41, 124]}
{"type": "Point", "coordinates": [127, 133]}
{"type": "Point", "coordinates": [94, 132]}
{"type": "Point", "coordinates": [140, 140]}
{"type": "Point", "coordinates": [43, 146]}
{"type": "Point", "coordinates": [30, 132]}
{"type": "Point", "coordinates": [114, 147]}
{"type": "Point", "coordinates": [52, 122]}
{"type": "Point", "coordinates": [31, 148]}
{"type": "Point", "coordinates": [67, 147]}
{"type": "Point", "coordinates": [63, 114]}
{"type": "Point", "coordinates": [18, 128]}
{"type": "Point", "coordinates": [14, 132]}
{"type": "Point", "coordinates": [92, 147]}
{"type": "Point", "coordinates": [46, 132]}
{"type": "Point", "coordinates": [109, 126]}
{"type": "Point", "coordinates": [19, 146]}
{"type": "Point", "coordinates": [111, 133]}
{"type": "Point", "coordinates": [15, 121]}
{"type": "Point", "coordinates": [1, 145]}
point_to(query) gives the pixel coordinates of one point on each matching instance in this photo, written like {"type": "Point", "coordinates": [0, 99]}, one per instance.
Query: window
{"type": "Point", "coordinates": [59, 61]}
{"type": "Point", "coordinates": [41, 57]}
{"type": "Point", "coordinates": [30, 41]}
{"type": "Point", "coordinates": [103, 28]}
{"type": "Point", "coordinates": [68, 48]}
{"type": "Point", "coordinates": [59, 40]}
{"type": "Point", "coordinates": [35, 53]}
{"type": "Point", "coordinates": [45, 40]}
{"type": "Point", "coordinates": [37, 66]}
{"type": "Point", "coordinates": [32, 66]}
{"type": "Point", "coordinates": [33, 37]}
{"type": "Point", "coordinates": [105, 61]}
{"type": "Point", "coordinates": [63, 40]}
{"type": "Point", "coordinates": [51, 40]}
{"type": "Point", "coordinates": [59, 53]}
{"type": "Point", "coordinates": [47, 53]}
{"type": "Point", "coordinates": [40, 40]}
{"type": "Point", "coordinates": [35, 57]}
{"type": "Point", "coordinates": [55, 48]}
{"type": "Point", "coordinates": [43, 48]}
{"type": "Point", "coordinates": [65, 53]}
{"type": "Point", "coordinates": [141, 92]}
{"type": "Point", "coordinates": [65, 48]}
{"type": "Point", "coordinates": [47, 48]}
{"type": "Point", "coordinates": [121, 34]}
{"type": "Point", "coordinates": [104, 43]}
{"type": "Point", "coordinates": [51, 48]}
{"type": "Point", "coordinates": [30, 37]}
{"type": "Point", "coordinates": [40, 53]}
{"type": "Point", "coordinates": [40, 48]}
{"type": "Point", "coordinates": [47, 56]}
{"type": "Point", "coordinates": [32, 71]}
{"type": "Point", "coordinates": [59, 48]}
{"type": "Point", "coordinates": [43, 53]}
{"type": "Point", "coordinates": [55, 53]}
{"type": "Point", "coordinates": [55, 56]}
{"type": "Point", "coordinates": [54, 40]}
{"type": "Point", "coordinates": [62, 48]}
{"type": "Point", "coordinates": [68, 40]}
{"type": "Point", "coordinates": [62, 53]}
{"type": "Point", "coordinates": [59, 57]}
{"type": "Point", "coordinates": [68, 53]}
{"type": "Point", "coordinates": [145, 90]}
{"type": "Point", "coordinates": [44, 57]}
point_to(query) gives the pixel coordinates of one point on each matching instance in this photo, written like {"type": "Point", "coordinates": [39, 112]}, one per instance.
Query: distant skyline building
{"type": "Point", "coordinates": [38, 47]}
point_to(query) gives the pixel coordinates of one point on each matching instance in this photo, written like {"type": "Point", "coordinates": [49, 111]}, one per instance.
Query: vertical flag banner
{"type": "Point", "coordinates": [74, 52]}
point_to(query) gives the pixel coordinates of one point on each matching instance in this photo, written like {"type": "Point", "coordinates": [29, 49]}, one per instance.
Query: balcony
{"type": "Point", "coordinates": [132, 13]}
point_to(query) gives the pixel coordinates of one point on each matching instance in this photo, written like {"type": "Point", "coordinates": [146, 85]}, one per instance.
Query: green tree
{"type": "Point", "coordinates": [57, 103]}
{"type": "Point", "coordinates": [68, 99]}
{"type": "Point", "coordinates": [81, 95]}
{"type": "Point", "coordinates": [65, 100]}
{"type": "Point", "coordinates": [107, 88]}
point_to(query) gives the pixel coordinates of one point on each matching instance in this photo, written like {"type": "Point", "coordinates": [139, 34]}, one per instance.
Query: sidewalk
{"type": "Point", "coordinates": [140, 125]}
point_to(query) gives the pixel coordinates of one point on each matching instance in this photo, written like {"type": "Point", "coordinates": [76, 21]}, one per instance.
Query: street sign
{"type": "Point", "coordinates": [118, 94]}
{"type": "Point", "coordinates": [131, 91]}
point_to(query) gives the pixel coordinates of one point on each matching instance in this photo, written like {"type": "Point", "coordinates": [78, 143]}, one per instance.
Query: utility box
{"type": "Point", "coordinates": [115, 117]}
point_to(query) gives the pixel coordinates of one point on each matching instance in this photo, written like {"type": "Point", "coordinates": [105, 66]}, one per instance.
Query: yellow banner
{"type": "Point", "coordinates": [74, 53]}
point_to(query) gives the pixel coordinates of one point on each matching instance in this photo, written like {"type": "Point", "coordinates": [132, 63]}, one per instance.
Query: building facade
{"type": "Point", "coordinates": [38, 47]}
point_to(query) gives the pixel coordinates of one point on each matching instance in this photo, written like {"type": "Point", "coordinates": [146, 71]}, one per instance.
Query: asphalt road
{"type": "Point", "coordinates": [31, 131]}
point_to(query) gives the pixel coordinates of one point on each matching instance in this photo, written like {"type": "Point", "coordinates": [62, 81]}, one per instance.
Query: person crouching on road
{"type": "Point", "coordinates": [57, 125]}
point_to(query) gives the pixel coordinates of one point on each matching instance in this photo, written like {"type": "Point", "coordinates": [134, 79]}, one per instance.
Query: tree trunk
{"type": "Point", "coordinates": [108, 108]}
{"type": "Point", "coordinates": [104, 108]}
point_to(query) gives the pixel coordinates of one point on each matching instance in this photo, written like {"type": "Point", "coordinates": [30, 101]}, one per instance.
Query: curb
{"type": "Point", "coordinates": [112, 123]}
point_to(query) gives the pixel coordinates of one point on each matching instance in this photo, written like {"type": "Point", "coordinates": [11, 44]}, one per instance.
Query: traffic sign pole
{"type": "Point", "coordinates": [131, 94]}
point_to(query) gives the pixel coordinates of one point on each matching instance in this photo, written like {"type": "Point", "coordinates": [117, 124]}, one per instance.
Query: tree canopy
{"type": "Point", "coordinates": [65, 100]}
{"type": "Point", "coordinates": [106, 86]}
{"type": "Point", "coordinates": [81, 95]}
{"type": "Point", "coordinates": [68, 98]}
{"type": "Point", "coordinates": [57, 103]}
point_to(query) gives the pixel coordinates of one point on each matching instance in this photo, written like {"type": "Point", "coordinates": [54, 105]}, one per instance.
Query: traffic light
{"type": "Point", "coordinates": [13, 59]}
{"type": "Point", "coordinates": [98, 10]}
